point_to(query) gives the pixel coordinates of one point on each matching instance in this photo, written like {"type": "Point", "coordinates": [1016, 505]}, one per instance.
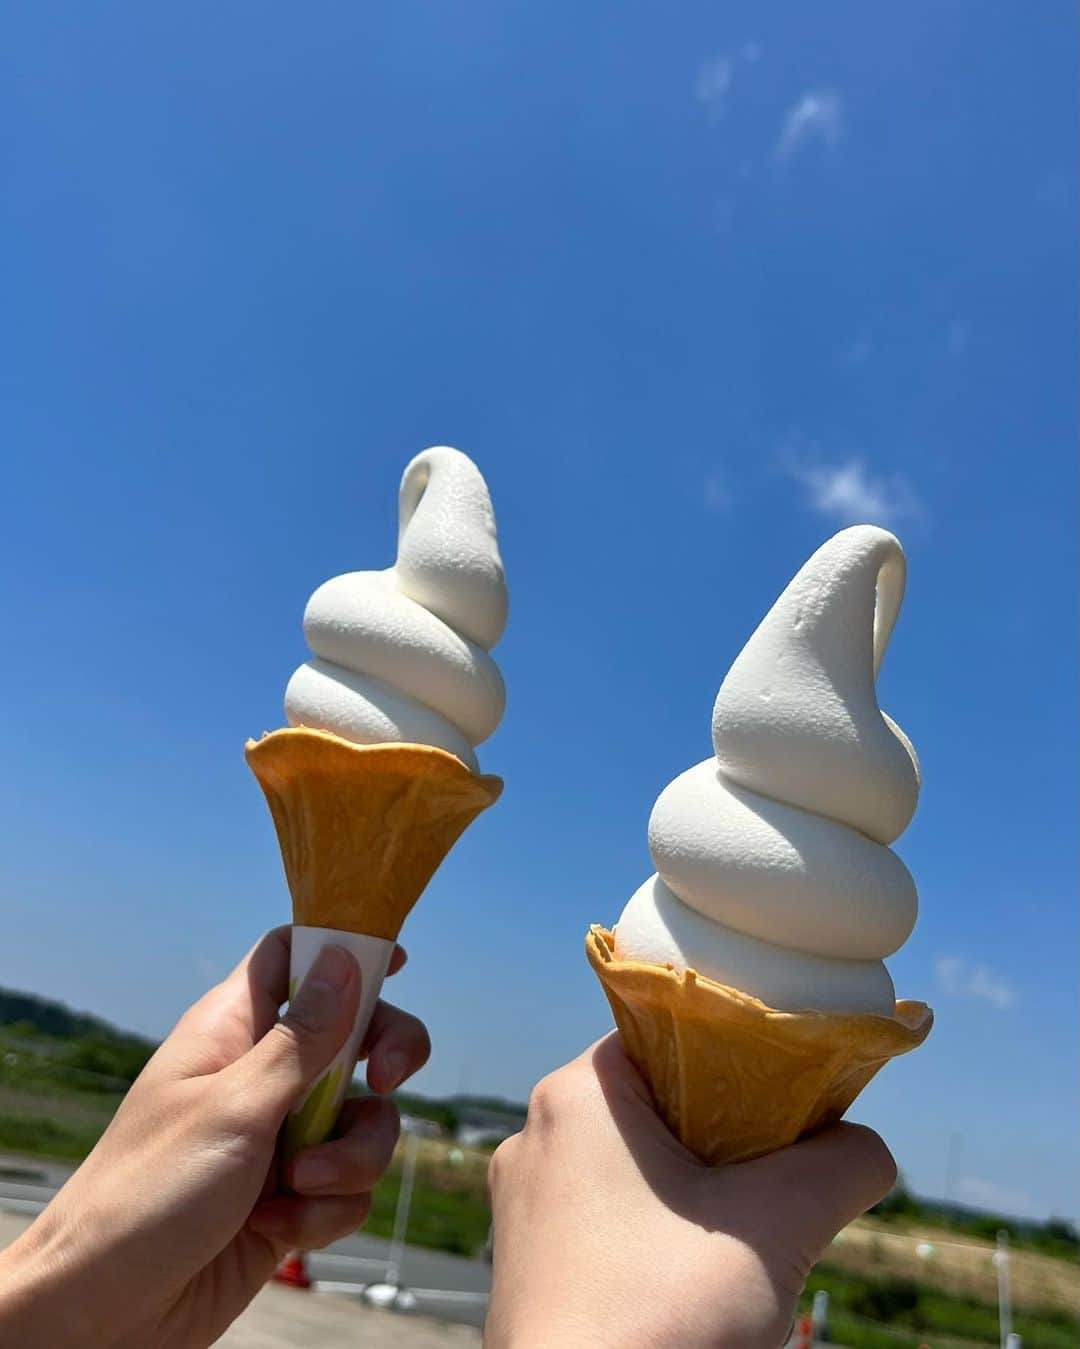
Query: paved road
{"type": "Point", "coordinates": [449, 1287]}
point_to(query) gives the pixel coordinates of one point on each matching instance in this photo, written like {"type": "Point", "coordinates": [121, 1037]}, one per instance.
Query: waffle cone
{"type": "Point", "coordinates": [733, 1078]}
{"type": "Point", "coordinates": [362, 828]}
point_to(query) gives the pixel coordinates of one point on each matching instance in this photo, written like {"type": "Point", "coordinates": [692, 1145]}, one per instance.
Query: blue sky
{"type": "Point", "coordinates": [695, 286]}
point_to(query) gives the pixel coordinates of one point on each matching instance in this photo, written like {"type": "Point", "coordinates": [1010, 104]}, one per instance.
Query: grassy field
{"type": "Point", "coordinates": [449, 1205]}
{"type": "Point", "coordinates": [960, 1267]}
{"type": "Point", "coordinates": [914, 1312]}
{"type": "Point", "coordinates": [51, 1108]}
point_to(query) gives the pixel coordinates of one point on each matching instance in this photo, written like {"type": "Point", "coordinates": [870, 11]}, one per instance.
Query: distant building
{"type": "Point", "coordinates": [414, 1124]}
{"type": "Point", "coordinates": [478, 1125]}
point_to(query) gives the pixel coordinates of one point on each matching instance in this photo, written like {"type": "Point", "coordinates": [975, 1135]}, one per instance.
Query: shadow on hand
{"type": "Point", "coordinates": [746, 1202]}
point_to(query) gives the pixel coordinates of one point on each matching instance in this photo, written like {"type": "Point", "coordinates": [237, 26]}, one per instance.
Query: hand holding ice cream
{"type": "Point", "coordinates": [375, 780]}
{"type": "Point", "coordinates": [775, 892]}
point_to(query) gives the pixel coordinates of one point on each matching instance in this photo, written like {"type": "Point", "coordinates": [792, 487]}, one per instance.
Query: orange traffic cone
{"type": "Point", "coordinates": [292, 1271]}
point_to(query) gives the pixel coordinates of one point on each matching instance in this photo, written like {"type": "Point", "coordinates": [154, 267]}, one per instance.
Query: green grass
{"type": "Point", "coordinates": [449, 1209]}
{"type": "Point", "coordinates": [45, 1137]}
{"type": "Point", "coordinates": [919, 1313]}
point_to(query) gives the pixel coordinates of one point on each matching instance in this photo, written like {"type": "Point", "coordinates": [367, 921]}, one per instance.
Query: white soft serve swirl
{"type": "Point", "coordinates": [402, 654]}
{"type": "Point", "coordinates": [773, 874]}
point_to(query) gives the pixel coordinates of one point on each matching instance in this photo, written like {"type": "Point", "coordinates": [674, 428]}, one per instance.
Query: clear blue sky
{"type": "Point", "coordinates": [696, 286]}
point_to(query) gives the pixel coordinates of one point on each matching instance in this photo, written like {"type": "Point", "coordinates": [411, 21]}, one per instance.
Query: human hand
{"type": "Point", "coordinates": [609, 1233]}
{"type": "Point", "coordinates": [181, 1212]}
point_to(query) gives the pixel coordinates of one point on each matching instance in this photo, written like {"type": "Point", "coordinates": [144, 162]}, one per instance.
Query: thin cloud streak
{"type": "Point", "coordinates": [714, 79]}
{"type": "Point", "coordinates": [714, 85]}
{"type": "Point", "coordinates": [719, 497]}
{"type": "Point", "coordinates": [961, 979]}
{"type": "Point", "coordinates": [818, 115]}
{"type": "Point", "coordinates": [848, 492]}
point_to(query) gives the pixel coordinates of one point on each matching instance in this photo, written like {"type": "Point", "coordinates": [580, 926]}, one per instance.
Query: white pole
{"type": "Point", "coordinates": [401, 1213]}
{"type": "Point", "coordinates": [1001, 1260]}
{"type": "Point", "coordinates": [819, 1314]}
{"type": "Point", "coordinates": [1014, 1342]}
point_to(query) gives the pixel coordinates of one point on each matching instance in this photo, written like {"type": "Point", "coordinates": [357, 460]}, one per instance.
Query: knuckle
{"type": "Point", "coordinates": [558, 1096]}
{"type": "Point", "coordinates": [544, 1102]}
{"type": "Point", "coordinates": [422, 1042]}
{"type": "Point", "coordinates": [501, 1165]}
{"type": "Point", "coordinates": [880, 1161]}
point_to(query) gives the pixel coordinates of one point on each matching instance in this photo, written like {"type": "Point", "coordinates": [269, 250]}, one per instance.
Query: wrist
{"type": "Point", "coordinates": [48, 1292]}
{"type": "Point", "coordinates": [30, 1292]}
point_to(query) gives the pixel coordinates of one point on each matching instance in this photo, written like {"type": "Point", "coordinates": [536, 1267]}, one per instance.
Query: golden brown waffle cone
{"type": "Point", "coordinates": [363, 828]}
{"type": "Point", "coordinates": [735, 1079]}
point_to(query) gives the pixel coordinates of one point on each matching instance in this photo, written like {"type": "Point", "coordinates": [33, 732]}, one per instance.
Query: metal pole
{"type": "Point", "coordinates": [1001, 1260]}
{"type": "Point", "coordinates": [401, 1213]}
{"type": "Point", "coordinates": [819, 1315]}
{"type": "Point", "coordinates": [951, 1158]}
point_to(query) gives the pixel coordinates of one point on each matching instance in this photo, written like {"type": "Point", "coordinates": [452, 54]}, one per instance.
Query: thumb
{"type": "Point", "coordinates": [296, 1049]}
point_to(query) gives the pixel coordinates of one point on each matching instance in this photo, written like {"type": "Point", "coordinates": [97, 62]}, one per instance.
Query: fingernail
{"type": "Point", "coordinates": [333, 967]}
{"type": "Point", "coordinates": [313, 1173]}
{"type": "Point", "coordinates": [318, 1000]}
{"type": "Point", "coordinates": [393, 1070]}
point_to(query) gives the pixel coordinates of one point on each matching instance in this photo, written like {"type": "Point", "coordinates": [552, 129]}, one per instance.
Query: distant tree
{"type": "Point", "coordinates": [886, 1300]}
{"type": "Point", "coordinates": [121, 1059]}
{"type": "Point", "coordinates": [1062, 1230]}
{"type": "Point", "coordinates": [898, 1203]}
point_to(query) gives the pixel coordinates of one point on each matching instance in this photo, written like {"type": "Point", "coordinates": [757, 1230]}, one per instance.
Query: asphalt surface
{"type": "Point", "coordinates": [448, 1287]}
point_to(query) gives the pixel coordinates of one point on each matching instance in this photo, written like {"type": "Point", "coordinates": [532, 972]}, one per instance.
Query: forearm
{"type": "Point", "coordinates": [32, 1292]}
{"type": "Point", "coordinates": [50, 1293]}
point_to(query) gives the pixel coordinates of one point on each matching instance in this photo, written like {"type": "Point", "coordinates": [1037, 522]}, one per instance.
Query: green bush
{"type": "Point", "coordinates": [46, 1137]}
{"type": "Point", "coordinates": [108, 1058]}
{"type": "Point", "coordinates": [886, 1300]}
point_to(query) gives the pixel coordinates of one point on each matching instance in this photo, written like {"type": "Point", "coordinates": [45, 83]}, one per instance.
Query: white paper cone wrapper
{"type": "Point", "coordinates": [312, 1120]}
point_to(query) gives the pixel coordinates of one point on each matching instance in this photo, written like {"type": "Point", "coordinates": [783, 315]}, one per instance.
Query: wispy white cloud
{"type": "Point", "coordinates": [714, 79]}
{"type": "Point", "coordinates": [818, 115]}
{"type": "Point", "coordinates": [714, 84]}
{"type": "Point", "coordinates": [991, 1194]}
{"type": "Point", "coordinates": [962, 979]}
{"type": "Point", "coordinates": [850, 493]}
{"type": "Point", "coordinates": [718, 495]}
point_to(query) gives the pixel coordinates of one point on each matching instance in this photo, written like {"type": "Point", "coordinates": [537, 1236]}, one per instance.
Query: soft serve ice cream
{"type": "Point", "coordinates": [402, 654]}
{"type": "Point", "coordinates": [774, 875]}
